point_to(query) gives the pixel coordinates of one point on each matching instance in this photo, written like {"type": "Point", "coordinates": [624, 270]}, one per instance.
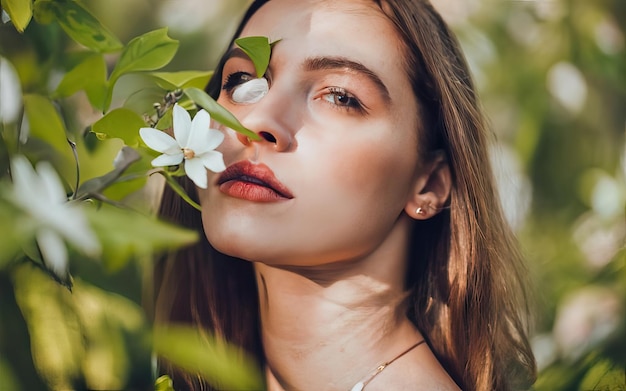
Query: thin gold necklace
{"type": "Point", "coordinates": [361, 385]}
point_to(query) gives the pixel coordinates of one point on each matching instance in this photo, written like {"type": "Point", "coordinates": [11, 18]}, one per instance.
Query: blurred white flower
{"type": "Point", "coordinates": [193, 141]}
{"type": "Point", "coordinates": [608, 196]}
{"type": "Point", "coordinates": [586, 318]}
{"type": "Point", "coordinates": [183, 15]}
{"type": "Point", "coordinates": [544, 349]}
{"type": "Point", "coordinates": [41, 195]}
{"type": "Point", "coordinates": [567, 85]}
{"type": "Point", "coordinates": [608, 36]}
{"type": "Point", "coordinates": [599, 239]}
{"type": "Point", "coordinates": [514, 187]}
{"type": "Point", "coordinates": [455, 12]}
{"type": "Point", "coordinates": [525, 29]}
{"type": "Point", "coordinates": [10, 92]}
{"type": "Point", "coordinates": [480, 53]}
{"type": "Point", "coordinates": [5, 17]}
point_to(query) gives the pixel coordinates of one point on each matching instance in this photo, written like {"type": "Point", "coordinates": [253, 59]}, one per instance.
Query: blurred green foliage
{"type": "Point", "coordinates": [74, 96]}
{"type": "Point", "coordinates": [552, 78]}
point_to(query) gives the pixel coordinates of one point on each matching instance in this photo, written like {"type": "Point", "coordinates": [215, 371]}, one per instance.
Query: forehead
{"type": "Point", "coordinates": [351, 28]}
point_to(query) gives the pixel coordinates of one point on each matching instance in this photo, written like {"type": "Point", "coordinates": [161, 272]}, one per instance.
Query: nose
{"type": "Point", "coordinates": [274, 119]}
{"type": "Point", "coordinates": [282, 144]}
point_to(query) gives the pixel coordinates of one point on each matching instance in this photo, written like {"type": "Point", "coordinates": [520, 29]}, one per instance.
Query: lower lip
{"type": "Point", "coordinates": [250, 191]}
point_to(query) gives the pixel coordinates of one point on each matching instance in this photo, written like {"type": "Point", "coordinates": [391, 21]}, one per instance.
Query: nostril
{"type": "Point", "coordinates": [268, 137]}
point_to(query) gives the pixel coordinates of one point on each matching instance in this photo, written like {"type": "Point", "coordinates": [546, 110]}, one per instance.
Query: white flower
{"type": "Point", "coordinates": [5, 17]}
{"type": "Point", "coordinates": [193, 141]}
{"type": "Point", "coordinates": [585, 318]}
{"type": "Point", "coordinates": [40, 194]}
{"type": "Point", "coordinates": [10, 93]}
{"type": "Point", "coordinates": [251, 91]}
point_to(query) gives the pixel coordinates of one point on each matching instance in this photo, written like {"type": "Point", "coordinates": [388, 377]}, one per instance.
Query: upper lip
{"type": "Point", "coordinates": [254, 173]}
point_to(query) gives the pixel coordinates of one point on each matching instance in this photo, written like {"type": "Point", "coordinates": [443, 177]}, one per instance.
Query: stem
{"type": "Point", "coordinates": [75, 153]}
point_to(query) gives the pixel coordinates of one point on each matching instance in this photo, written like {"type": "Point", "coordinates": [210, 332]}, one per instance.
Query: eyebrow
{"type": "Point", "coordinates": [332, 62]}
{"type": "Point", "coordinates": [323, 63]}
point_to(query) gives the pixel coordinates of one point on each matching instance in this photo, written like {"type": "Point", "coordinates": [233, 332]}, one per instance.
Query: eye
{"type": "Point", "coordinates": [341, 98]}
{"type": "Point", "coordinates": [245, 89]}
{"type": "Point", "coordinates": [234, 79]}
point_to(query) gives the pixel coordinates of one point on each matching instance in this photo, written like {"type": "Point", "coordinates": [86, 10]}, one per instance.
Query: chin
{"type": "Point", "coordinates": [240, 243]}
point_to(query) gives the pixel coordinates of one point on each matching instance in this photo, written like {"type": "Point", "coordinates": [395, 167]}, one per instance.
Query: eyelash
{"type": "Point", "coordinates": [353, 102]}
{"type": "Point", "coordinates": [234, 79]}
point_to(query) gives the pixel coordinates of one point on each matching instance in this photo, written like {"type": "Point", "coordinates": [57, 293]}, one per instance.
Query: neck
{"type": "Point", "coordinates": [326, 327]}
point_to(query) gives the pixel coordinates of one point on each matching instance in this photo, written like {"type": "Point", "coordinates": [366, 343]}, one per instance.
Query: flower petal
{"type": "Point", "coordinates": [199, 125]}
{"type": "Point", "coordinates": [182, 125]}
{"type": "Point", "coordinates": [167, 160]}
{"type": "Point", "coordinates": [206, 140]}
{"type": "Point", "coordinates": [53, 251]}
{"type": "Point", "coordinates": [53, 190]}
{"type": "Point", "coordinates": [5, 17]}
{"type": "Point", "coordinates": [213, 160]}
{"type": "Point", "coordinates": [26, 184]}
{"type": "Point", "coordinates": [10, 90]}
{"type": "Point", "coordinates": [251, 91]}
{"type": "Point", "coordinates": [159, 140]}
{"type": "Point", "coordinates": [71, 224]}
{"type": "Point", "coordinates": [41, 194]}
{"type": "Point", "coordinates": [194, 168]}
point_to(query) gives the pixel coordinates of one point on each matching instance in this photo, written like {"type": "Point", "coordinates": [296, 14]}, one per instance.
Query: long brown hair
{"type": "Point", "coordinates": [466, 275]}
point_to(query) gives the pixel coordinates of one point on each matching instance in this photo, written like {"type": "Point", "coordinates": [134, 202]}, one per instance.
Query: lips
{"type": "Point", "coordinates": [253, 182]}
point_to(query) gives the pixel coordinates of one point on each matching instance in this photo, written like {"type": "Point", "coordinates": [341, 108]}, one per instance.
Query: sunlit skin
{"type": "Point", "coordinates": [340, 130]}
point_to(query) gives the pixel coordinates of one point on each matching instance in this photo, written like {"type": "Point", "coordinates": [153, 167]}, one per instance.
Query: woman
{"type": "Point", "coordinates": [364, 227]}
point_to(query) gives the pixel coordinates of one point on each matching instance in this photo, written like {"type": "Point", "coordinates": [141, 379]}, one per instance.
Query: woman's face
{"type": "Point", "coordinates": [340, 135]}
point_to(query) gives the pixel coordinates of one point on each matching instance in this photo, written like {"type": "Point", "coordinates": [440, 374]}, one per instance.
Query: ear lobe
{"type": "Point", "coordinates": [431, 189]}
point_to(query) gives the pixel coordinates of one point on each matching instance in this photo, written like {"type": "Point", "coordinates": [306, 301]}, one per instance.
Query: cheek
{"type": "Point", "coordinates": [356, 186]}
{"type": "Point", "coordinates": [376, 166]}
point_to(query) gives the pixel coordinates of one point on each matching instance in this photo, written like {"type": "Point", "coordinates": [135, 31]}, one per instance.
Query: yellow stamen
{"type": "Point", "coordinates": [188, 153]}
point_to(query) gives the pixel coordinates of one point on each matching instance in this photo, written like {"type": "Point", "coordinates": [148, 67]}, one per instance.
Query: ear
{"type": "Point", "coordinates": [431, 189]}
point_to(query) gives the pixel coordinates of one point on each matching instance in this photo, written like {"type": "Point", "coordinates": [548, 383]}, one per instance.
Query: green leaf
{"type": "Point", "coordinates": [120, 123]}
{"type": "Point", "coordinates": [182, 79]}
{"type": "Point", "coordinates": [147, 52]}
{"type": "Point", "coordinates": [59, 345]}
{"type": "Point", "coordinates": [212, 358]}
{"type": "Point", "coordinates": [259, 50]}
{"type": "Point", "coordinates": [113, 331]}
{"type": "Point", "coordinates": [179, 189]}
{"type": "Point", "coordinates": [142, 101]}
{"type": "Point", "coordinates": [79, 24]}
{"type": "Point", "coordinates": [126, 157]}
{"type": "Point", "coordinates": [89, 75]}
{"type": "Point", "coordinates": [128, 184]}
{"type": "Point", "coordinates": [131, 179]}
{"type": "Point", "coordinates": [10, 238]}
{"type": "Point", "coordinates": [602, 376]}
{"type": "Point", "coordinates": [218, 112]}
{"type": "Point", "coordinates": [20, 11]}
{"type": "Point", "coordinates": [45, 122]}
{"type": "Point", "coordinates": [164, 383]}
{"type": "Point", "coordinates": [43, 12]}
{"type": "Point", "coordinates": [125, 234]}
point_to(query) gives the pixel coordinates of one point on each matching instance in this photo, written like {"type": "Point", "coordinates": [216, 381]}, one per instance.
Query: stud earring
{"type": "Point", "coordinates": [419, 211]}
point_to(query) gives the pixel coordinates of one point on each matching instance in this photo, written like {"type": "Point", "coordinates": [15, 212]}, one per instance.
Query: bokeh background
{"type": "Point", "coordinates": [552, 78]}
